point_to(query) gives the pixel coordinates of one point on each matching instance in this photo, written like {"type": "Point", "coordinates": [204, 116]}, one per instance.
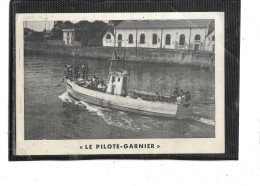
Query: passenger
{"type": "Point", "coordinates": [70, 73]}
{"type": "Point", "coordinates": [85, 70]}
{"type": "Point", "coordinates": [94, 82]}
{"type": "Point", "coordinates": [173, 97]}
{"type": "Point", "coordinates": [157, 98]}
{"type": "Point", "coordinates": [101, 85]}
{"type": "Point", "coordinates": [181, 93]}
{"type": "Point", "coordinates": [93, 78]}
{"type": "Point", "coordinates": [102, 82]}
{"type": "Point", "coordinates": [76, 72]}
{"type": "Point", "coordinates": [97, 81]}
{"type": "Point", "coordinates": [65, 72]}
{"type": "Point", "coordinates": [187, 96]}
{"type": "Point", "coordinates": [179, 99]}
{"type": "Point", "coordinates": [175, 92]}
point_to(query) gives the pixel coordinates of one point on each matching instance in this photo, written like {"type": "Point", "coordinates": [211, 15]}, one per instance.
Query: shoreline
{"type": "Point", "coordinates": [132, 55]}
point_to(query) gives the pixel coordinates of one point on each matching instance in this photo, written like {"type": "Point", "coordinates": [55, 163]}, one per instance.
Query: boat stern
{"type": "Point", "coordinates": [184, 110]}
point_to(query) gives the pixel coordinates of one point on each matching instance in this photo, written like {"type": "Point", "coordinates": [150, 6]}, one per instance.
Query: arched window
{"type": "Point", "coordinates": [108, 36]}
{"type": "Point", "coordinates": [182, 39]}
{"type": "Point", "coordinates": [213, 38]}
{"type": "Point", "coordinates": [119, 37]}
{"type": "Point", "coordinates": [154, 39]}
{"type": "Point", "coordinates": [130, 39]}
{"type": "Point", "coordinates": [168, 39]}
{"type": "Point", "coordinates": [197, 37]}
{"type": "Point", "coordinates": [142, 38]}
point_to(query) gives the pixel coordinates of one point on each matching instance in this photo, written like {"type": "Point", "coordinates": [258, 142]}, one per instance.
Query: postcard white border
{"type": "Point", "coordinates": [167, 146]}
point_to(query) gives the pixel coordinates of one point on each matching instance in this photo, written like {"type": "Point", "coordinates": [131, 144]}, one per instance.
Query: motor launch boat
{"type": "Point", "coordinates": [116, 95]}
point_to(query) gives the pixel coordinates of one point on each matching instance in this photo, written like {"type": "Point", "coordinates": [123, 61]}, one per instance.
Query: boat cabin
{"type": "Point", "coordinates": [118, 83]}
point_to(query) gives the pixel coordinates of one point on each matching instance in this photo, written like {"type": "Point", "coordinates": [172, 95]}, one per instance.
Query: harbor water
{"type": "Point", "coordinates": [52, 115]}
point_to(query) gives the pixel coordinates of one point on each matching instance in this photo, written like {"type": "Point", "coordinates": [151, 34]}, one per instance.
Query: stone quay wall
{"type": "Point", "coordinates": [146, 55]}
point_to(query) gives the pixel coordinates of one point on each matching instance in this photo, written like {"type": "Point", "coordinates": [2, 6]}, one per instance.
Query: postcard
{"type": "Point", "coordinates": [120, 83]}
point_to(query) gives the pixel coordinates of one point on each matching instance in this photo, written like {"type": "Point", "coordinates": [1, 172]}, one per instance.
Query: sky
{"type": "Point", "coordinates": [40, 25]}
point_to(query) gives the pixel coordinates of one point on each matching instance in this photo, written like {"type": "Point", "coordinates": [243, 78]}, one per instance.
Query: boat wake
{"type": "Point", "coordinates": [118, 119]}
{"type": "Point", "coordinates": [204, 121]}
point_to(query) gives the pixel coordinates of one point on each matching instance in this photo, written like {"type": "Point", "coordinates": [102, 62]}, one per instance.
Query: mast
{"type": "Point", "coordinates": [124, 60]}
{"type": "Point", "coordinates": [111, 63]}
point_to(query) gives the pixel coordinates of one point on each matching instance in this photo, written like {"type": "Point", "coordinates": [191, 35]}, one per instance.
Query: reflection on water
{"type": "Point", "coordinates": [51, 114]}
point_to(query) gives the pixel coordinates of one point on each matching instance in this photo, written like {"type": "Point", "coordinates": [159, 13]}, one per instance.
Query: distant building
{"type": "Point", "coordinates": [47, 34]}
{"type": "Point", "coordinates": [68, 36]}
{"type": "Point", "coordinates": [168, 34]}
{"type": "Point", "coordinates": [210, 42]}
{"type": "Point", "coordinates": [28, 32]}
{"type": "Point", "coordinates": [109, 38]}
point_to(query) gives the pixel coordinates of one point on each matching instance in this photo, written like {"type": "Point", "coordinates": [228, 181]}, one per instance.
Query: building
{"type": "Point", "coordinates": [168, 34]}
{"type": "Point", "coordinates": [109, 38]}
{"type": "Point", "coordinates": [68, 36]}
{"type": "Point", "coordinates": [28, 32]}
{"type": "Point", "coordinates": [210, 42]}
{"type": "Point", "coordinates": [47, 34]}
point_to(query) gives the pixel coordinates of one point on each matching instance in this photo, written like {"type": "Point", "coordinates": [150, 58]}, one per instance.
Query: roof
{"type": "Point", "coordinates": [212, 32]}
{"type": "Point", "coordinates": [178, 23]}
{"type": "Point", "coordinates": [111, 30]}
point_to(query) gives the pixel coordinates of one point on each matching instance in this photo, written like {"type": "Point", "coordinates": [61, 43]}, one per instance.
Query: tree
{"type": "Point", "coordinates": [56, 34]}
{"type": "Point", "coordinates": [68, 24]}
{"type": "Point", "coordinates": [90, 34]}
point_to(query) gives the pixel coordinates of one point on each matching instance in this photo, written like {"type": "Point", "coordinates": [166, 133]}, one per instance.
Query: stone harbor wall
{"type": "Point", "coordinates": [169, 56]}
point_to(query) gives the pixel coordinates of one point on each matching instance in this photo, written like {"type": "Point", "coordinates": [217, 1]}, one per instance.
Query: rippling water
{"type": "Point", "coordinates": [51, 114]}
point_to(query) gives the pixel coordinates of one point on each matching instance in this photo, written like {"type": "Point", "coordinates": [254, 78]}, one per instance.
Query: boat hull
{"type": "Point", "coordinates": [150, 108]}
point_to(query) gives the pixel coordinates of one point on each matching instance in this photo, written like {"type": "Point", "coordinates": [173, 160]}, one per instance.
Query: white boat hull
{"type": "Point", "coordinates": [151, 108]}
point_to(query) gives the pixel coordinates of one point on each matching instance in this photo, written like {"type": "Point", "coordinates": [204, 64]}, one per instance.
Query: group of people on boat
{"type": "Point", "coordinates": [96, 83]}
{"type": "Point", "coordinates": [73, 73]}
{"type": "Point", "coordinates": [180, 95]}
{"type": "Point", "coordinates": [176, 96]}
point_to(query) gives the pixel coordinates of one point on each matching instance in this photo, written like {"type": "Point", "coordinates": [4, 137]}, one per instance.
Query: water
{"type": "Point", "coordinates": [51, 114]}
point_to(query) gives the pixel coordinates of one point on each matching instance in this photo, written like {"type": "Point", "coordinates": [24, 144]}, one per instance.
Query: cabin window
{"type": "Point", "coordinates": [168, 39]}
{"type": "Point", "coordinates": [119, 37]}
{"type": "Point", "coordinates": [118, 79]}
{"type": "Point", "coordinates": [108, 36]}
{"type": "Point", "coordinates": [142, 38]}
{"type": "Point", "coordinates": [113, 79]}
{"type": "Point", "coordinates": [213, 38]}
{"type": "Point", "coordinates": [130, 39]}
{"type": "Point", "coordinates": [182, 39]}
{"type": "Point", "coordinates": [154, 39]}
{"type": "Point", "coordinates": [197, 37]}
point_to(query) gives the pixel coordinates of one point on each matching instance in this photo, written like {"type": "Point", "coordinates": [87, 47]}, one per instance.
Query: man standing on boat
{"type": "Point", "coordinates": [85, 70]}
{"type": "Point", "coordinates": [71, 76]}
{"type": "Point", "coordinates": [76, 72]}
{"type": "Point", "coordinates": [66, 69]}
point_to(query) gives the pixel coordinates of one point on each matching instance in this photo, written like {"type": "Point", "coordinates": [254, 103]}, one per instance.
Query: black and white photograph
{"type": "Point", "coordinates": [119, 79]}
{"type": "Point", "coordinates": [99, 79]}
